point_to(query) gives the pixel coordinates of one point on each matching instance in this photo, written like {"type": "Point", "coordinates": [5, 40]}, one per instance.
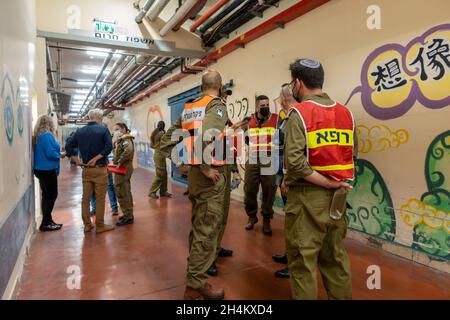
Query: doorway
{"type": "Point", "coordinates": [176, 105]}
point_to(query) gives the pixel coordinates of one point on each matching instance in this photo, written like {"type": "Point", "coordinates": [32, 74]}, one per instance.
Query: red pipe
{"type": "Point", "coordinates": [208, 14]}
{"type": "Point", "coordinates": [275, 22]}
{"type": "Point", "coordinates": [193, 12]}
{"type": "Point", "coordinates": [126, 83]}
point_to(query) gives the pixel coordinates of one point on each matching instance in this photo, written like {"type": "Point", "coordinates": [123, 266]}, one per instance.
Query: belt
{"type": "Point", "coordinates": [96, 166]}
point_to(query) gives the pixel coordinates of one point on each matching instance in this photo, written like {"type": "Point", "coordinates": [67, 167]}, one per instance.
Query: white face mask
{"type": "Point", "coordinates": [117, 134]}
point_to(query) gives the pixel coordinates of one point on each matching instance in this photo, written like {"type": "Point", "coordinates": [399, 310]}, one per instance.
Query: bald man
{"type": "Point", "coordinates": [207, 181]}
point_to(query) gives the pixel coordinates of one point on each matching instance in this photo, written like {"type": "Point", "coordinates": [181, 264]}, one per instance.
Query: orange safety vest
{"type": "Point", "coordinates": [329, 138]}
{"type": "Point", "coordinates": [191, 121]}
{"type": "Point", "coordinates": [261, 136]}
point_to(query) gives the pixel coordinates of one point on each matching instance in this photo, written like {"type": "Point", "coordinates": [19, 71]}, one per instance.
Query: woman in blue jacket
{"type": "Point", "coordinates": [47, 154]}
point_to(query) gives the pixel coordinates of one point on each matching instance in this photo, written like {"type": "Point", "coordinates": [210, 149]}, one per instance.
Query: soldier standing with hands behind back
{"type": "Point", "coordinates": [320, 149]}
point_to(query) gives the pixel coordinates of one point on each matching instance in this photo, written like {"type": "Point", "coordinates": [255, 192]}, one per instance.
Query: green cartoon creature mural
{"type": "Point", "coordinates": [371, 204]}
{"type": "Point", "coordinates": [430, 217]}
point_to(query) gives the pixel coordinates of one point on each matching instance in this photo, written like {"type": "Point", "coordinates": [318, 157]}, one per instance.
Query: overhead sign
{"type": "Point", "coordinates": [121, 42]}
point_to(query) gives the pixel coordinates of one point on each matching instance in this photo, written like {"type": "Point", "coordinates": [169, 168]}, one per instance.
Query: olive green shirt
{"type": "Point", "coordinates": [295, 148]}
{"type": "Point", "coordinates": [124, 151]}
{"type": "Point", "coordinates": [157, 140]}
{"type": "Point", "coordinates": [216, 117]}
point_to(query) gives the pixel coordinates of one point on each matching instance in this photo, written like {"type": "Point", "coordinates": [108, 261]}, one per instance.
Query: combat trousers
{"type": "Point", "coordinates": [207, 201]}
{"type": "Point", "coordinates": [122, 183]}
{"type": "Point", "coordinates": [160, 181]}
{"type": "Point", "coordinates": [314, 239]}
{"type": "Point", "coordinates": [226, 207]}
{"type": "Point", "coordinates": [253, 179]}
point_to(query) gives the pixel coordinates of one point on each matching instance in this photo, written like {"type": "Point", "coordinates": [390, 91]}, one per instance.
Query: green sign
{"type": "Point", "coordinates": [103, 26]}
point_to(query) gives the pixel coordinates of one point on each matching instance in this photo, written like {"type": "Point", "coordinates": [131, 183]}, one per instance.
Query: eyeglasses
{"type": "Point", "coordinates": [292, 84]}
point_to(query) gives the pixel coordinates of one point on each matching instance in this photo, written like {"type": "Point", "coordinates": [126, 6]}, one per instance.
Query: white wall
{"type": "Point", "coordinates": [17, 52]}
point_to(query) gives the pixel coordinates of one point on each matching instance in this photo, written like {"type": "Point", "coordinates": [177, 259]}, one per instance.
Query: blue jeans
{"type": "Point", "coordinates": [111, 196]}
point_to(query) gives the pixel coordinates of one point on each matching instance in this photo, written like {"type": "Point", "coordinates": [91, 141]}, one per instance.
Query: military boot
{"type": "Point", "coordinates": [267, 230]}
{"type": "Point", "coordinates": [251, 222]}
{"type": "Point", "coordinates": [208, 292]}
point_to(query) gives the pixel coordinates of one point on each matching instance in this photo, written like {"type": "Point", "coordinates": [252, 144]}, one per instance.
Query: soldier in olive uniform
{"type": "Point", "coordinates": [206, 182]}
{"type": "Point", "coordinates": [160, 181]}
{"type": "Point", "coordinates": [316, 168]}
{"type": "Point", "coordinates": [123, 155]}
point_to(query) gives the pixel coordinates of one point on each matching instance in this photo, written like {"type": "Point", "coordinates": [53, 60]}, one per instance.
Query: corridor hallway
{"type": "Point", "coordinates": [147, 260]}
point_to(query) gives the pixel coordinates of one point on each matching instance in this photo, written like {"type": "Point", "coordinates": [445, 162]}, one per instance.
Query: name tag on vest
{"type": "Point", "coordinates": [193, 114]}
{"type": "Point", "coordinates": [328, 137]}
{"type": "Point", "coordinates": [268, 131]}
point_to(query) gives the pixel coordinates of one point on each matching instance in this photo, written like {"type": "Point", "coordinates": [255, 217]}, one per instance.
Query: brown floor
{"type": "Point", "coordinates": [147, 260]}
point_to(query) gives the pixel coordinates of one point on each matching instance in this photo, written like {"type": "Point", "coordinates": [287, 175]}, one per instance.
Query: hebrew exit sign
{"type": "Point", "coordinates": [104, 26]}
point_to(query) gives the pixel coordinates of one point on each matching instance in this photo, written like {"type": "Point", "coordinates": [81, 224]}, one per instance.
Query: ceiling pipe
{"type": "Point", "coordinates": [180, 15]}
{"type": "Point", "coordinates": [156, 75]}
{"type": "Point", "coordinates": [143, 11]}
{"type": "Point", "coordinates": [143, 71]}
{"type": "Point", "coordinates": [110, 75]}
{"type": "Point", "coordinates": [136, 72]}
{"type": "Point", "coordinates": [129, 85]}
{"type": "Point", "coordinates": [208, 14]}
{"type": "Point", "coordinates": [278, 21]}
{"type": "Point", "coordinates": [191, 14]}
{"type": "Point", "coordinates": [156, 9]}
{"type": "Point", "coordinates": [186, 68]}
{"type": "Point", "coordinates": [123, 76]}
{"type": "Point", "coordinates": [221, 15]}
{"type": "Point", "coordinates": [105, 64]}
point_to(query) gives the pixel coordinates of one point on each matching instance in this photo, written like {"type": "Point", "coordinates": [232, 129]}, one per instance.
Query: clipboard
{"type": "Point", "coordinates": [113, 169]}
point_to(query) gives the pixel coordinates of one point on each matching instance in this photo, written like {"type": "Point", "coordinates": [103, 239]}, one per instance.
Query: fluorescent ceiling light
{"type": "Point", "coordinates": [82, 91]}
{"type": "Point", "coordinates": [90, 71]}
{"type": "Point", "coordinates": [94, 71]}
{"type": "Point", "coordinates": [97, 53]}
{"type": "Point", "coordinates": [85, 82]}
{"type": "Point", "coordinates": [102, 54]}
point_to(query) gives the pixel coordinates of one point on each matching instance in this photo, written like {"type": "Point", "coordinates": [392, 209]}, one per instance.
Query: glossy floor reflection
{"type": "Point", "coordinates": [147, 260]}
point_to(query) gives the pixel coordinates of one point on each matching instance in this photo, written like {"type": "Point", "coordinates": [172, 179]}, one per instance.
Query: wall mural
{"type": "Point", "coordinates": [238, 110]}
{"type": "Point", "coordinates": [143, 150]}
{"type": "Point", "coordinates": [7, 95]}
{"type": "Point", "coordinates": [394, 77]}
{"type": "Point", "coordinates": [371, 204]}
{"type": "Point", "coordinates": [430, 216]}
{"type": "Point", "coordinates": [379, 138]}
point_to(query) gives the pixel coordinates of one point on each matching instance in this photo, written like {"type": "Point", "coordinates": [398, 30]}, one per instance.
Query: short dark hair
{"type": "Point", "coordinates": [261, 97]}
{"type": "Point", "coordinates": [309, 71]}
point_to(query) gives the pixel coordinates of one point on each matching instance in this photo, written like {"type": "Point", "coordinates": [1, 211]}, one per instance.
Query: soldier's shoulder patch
{"type": "Point", "coordinates": [220, 112]}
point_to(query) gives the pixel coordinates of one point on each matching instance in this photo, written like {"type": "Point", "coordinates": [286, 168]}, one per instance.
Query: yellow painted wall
{"type": "Point", "coordinates": [394, 149]}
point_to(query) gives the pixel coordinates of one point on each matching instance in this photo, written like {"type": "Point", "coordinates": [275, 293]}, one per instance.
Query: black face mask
{"type": "Point", "coordinates": [265, 111]}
